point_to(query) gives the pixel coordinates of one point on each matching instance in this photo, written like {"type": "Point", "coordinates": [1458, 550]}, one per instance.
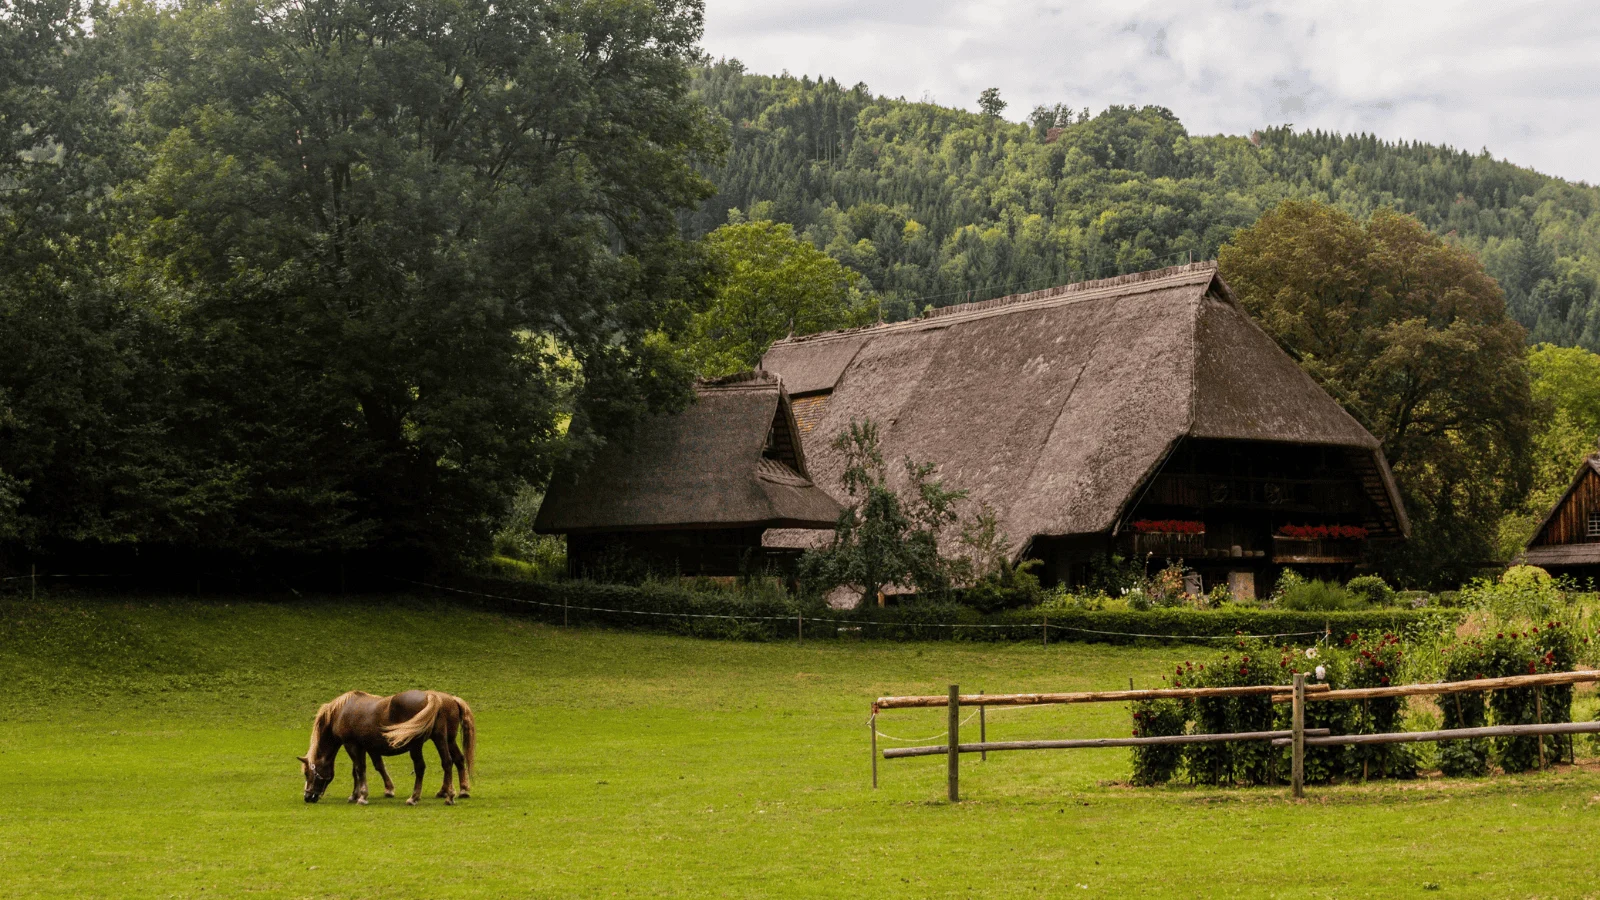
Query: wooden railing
{"type": "Point", "coordinates": [1297, 736]}
{"type": "Point", "coordinates": [1314, 550]}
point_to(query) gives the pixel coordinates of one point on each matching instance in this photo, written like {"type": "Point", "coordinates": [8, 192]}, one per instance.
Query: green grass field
{"type": "Point", "coordinates": [149, 751]}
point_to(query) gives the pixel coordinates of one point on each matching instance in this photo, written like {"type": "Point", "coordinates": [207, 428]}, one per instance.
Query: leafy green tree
{"type": "Point", "coordinates": [378, 229]}
{"type": "Point", "coordinates": [1411, 336]}
{"type": "Point", "coordinates": [1566, 392]}
{"type": "Point", "coordinates": [990, 104]}
{"type": "Point", "coordinates": [1000, 207]}
{"type": "Point", "coordinates": [884, 537]}
{"type": "Point", "coordinates": [769, 284]}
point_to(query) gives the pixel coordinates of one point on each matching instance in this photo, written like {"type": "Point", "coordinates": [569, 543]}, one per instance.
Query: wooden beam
{"type": "Point", "coordinates": [1087, 696]}
{"type": "Point", "coordinates": [953, 765]}
{"type": "Point", "coordinates": [1450, 687]}
{"type": "Point", "coordinates": [1451, 734]}
{"type": "Point", "coordinates": [1298, 737]}
{"type": "Point", "coordinates": [1092, 743]}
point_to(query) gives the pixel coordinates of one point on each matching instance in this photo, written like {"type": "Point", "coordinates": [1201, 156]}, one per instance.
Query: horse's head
{"type": "Point", "coordinates": [317, 778]}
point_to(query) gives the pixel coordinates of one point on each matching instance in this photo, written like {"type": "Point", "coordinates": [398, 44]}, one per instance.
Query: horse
{"type": "Point", "coordinates": [366, 725]}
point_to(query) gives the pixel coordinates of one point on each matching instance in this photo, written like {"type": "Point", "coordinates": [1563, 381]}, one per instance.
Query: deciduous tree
{"type": "Point", "coordinates": [1411, 335]}
{"type": "Point", "coordinates": [769, 284]}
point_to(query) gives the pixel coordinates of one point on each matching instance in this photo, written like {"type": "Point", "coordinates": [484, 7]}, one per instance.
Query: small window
{"type": "Point", "coordinates": [1594, 524]}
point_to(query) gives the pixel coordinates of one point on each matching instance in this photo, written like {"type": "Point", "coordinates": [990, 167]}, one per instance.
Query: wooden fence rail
{"type": "Point", "coordinates": [1087, 696]}
{"type": "Point", "coordinates": [1299, 737]}
{"type": "Point", "coordinates": [1447, 734]}
{"type": "Point", "coordinates": [1090, 743]}
{"type": "Point", "coordinates": [1548, 679]}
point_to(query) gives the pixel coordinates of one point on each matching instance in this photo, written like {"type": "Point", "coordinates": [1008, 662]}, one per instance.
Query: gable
{"type": "Point", "coordinates": [1053, 408]}
{"type": "Point", "coordinates": [1568, 521]}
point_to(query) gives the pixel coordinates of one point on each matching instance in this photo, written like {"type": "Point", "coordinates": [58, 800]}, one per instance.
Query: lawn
{"type": "Point", "coordinates": [149, 751]}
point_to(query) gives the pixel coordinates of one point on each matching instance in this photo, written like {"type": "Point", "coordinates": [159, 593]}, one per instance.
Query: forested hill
{"type": "Point", "coordinates": [937, 206]}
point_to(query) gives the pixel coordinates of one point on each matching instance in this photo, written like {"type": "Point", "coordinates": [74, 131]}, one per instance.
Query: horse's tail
{"type": "Point", "coordinates": [469, 733]}
{"type": "Point", "coordinates": [403, 733]}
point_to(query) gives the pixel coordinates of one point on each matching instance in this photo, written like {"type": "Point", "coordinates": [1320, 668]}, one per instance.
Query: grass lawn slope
{"type": "Point", "coordinates": [149, 751]}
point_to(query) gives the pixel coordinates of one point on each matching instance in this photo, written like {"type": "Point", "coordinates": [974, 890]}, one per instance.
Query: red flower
{"type": "Point", "coordinates": [1385, 680]}
{"type": "Point", "coordinates": [1169, 526]}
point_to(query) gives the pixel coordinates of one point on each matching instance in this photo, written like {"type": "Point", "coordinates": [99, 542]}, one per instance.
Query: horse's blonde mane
{"type": "Point", "coordinates": [325, 714]}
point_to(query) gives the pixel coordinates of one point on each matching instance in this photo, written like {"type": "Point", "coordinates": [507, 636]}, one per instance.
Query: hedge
{"type": "Point", "coordinates": [716, 614]}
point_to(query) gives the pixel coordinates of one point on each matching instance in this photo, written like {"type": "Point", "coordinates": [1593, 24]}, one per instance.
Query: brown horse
{"type": "Point", "coordinates": [366, 725]}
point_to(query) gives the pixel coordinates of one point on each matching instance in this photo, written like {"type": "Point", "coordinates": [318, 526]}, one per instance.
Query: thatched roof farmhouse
{"type": "Point", "coordinates": [1145, 414]}
{"type": "Point", "coordinates": [692, 491]}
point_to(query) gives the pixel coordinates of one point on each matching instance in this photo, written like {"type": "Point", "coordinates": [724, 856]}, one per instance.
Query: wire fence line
{"type": "Point", "coordinates": [854, 622]}
{"type": "Point", "coordinates": [799, 617]}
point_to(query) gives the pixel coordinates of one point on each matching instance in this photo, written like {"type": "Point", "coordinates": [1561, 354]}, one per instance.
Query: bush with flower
{"type": "Point", "coordinates": [1377, 661]}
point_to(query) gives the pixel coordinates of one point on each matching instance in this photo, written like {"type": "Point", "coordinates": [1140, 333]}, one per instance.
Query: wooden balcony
{"type": "Point", "coordinates": [1328, 551]}
{"type": "Point", "coordinates": [1168, 546]}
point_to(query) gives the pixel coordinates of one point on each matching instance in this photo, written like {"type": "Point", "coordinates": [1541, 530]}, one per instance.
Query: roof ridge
{"type": "Point", "coordinates": [753, 379]}
{"type": "Point", "coordinates": [1151, 278]}
{"type": "Point", "coordinates": [1073, 288]}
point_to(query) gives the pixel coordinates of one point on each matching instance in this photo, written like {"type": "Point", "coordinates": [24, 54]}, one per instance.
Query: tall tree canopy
{"type": "Point", "coordinates": [935, 206]}
{"type": "Point", "coordinates": [1566, 393]}
{"type": "Point", "coordinates": [1411, 335]}
{"type": "Point", "coordinates": [369, 229]}
{"type": "Point", "coordinates": [768, 284]}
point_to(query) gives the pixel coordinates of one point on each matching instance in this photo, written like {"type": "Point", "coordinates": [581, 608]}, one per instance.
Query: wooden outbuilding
{"type": "Point", "coordinates": [1567, 542]}
{"type": "Point", "coordinates": [692, 492]}
{"type": "Point", "coordinates": [1144, 415]}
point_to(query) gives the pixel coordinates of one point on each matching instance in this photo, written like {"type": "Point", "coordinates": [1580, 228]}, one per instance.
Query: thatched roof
{"type": "Point", "coordinates": [732, 459]}
{"type": "Point", "coordinates": [1055, 407]}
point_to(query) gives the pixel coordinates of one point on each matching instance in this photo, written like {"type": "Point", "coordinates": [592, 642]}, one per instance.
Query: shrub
{"type": "Point", "coordinates": [1465, 710]}
{"type": "Point", "coordinates": [1552, 647]}
{"type": "Point", "coordinates": [1371, 590]}
{"type": "Point", "coordinates": [1521, 593]}
{"type": "Point", "coordinates": [1378, 662]}
{"type": "Point", "coordinates": [1113, 575]}
{"type": "Point", "coordinates": [1165, 588]}
{"type": "Point", "coordinates": [1321, 596]}
{"type": "Point", "coordinates": [1156, 764]}
{"type": "Point", "coordinates": [1252, 762]}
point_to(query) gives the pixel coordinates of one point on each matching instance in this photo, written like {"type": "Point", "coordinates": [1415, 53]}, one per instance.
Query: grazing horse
{"type": "Point", "coordinates": [366, 725]}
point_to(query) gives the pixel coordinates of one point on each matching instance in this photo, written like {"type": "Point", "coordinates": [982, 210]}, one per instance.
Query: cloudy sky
{"type": "Point", "coordinates": [1520, 78]}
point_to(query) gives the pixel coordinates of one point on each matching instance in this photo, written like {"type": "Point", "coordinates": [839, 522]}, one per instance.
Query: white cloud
{"type": "Point", "coordinates": [1520, 78]}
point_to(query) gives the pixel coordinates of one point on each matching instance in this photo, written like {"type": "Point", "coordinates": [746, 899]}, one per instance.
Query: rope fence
{"type": "Point", "coordinates": [1044, 626]}
{"type": "Point", "coordinates": [801, 618]}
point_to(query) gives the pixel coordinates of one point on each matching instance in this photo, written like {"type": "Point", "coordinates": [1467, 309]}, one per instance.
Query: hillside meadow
{"type": "Point", "coordinates": [149, 749]}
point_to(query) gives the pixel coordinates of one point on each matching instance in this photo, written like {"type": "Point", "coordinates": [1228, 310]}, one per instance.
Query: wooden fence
{"type": "Point", "coordinates": [1297, 736]}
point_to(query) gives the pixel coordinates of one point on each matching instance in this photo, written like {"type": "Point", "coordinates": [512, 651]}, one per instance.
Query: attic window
{"type": "Point", "coordinates": [1594, 524]}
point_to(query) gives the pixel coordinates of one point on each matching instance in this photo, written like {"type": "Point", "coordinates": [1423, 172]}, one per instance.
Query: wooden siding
{"type": "Point", "coordinates": [1570, 522]}
{"type": "Point", "coordinates": [808, 411]}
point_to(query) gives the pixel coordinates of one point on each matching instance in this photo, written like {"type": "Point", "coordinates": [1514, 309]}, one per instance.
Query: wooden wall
{"type": "Point", "coordinates": [808, 411]}
{"type": "Point", "coordinates": [1570, 524]}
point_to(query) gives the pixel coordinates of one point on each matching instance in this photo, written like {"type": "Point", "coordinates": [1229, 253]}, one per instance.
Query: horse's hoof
{"type": "Point", "coordinates": [362, 802]}
{"type": "Point", "coordinates": [388, 795]}
{"type": "Point", "coordinates": [449, 801]}
{"type": "Point", "coordinates": [463, 795]}
{"type": "Point", "coordinates": [442, 794]}
{"type": "Point", "coordinates": [411, 801]}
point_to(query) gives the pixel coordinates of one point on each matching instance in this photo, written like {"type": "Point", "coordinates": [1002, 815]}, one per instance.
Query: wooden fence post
{"type": "Point", "coordinates": [872, 726]}
{"type": "Point", "coordinates": [1298, 772]}
{"type": "Point", "coordinates": [983, 731]}
{"type": "Point", "coordinates": [33, 581]}
{"type": "Point", "coordinates": [953, 763]}
{"type": "Point", "coordinates": [1044, 632]}
{"type": "Point", "coordinates": [800, 627]}
{"type": "Point", "coordinates": [1538, 719]}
